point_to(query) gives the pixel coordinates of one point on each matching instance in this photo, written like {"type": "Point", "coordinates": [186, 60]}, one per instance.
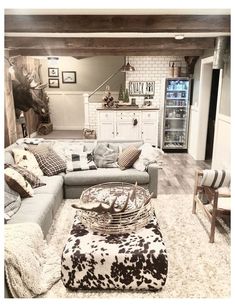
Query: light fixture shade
{"type": "Point", "coordinates": [127, 67]}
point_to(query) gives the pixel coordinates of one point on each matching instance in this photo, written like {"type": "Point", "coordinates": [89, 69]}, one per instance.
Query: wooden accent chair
{"type": "Point", "coordinates": [212, 194]}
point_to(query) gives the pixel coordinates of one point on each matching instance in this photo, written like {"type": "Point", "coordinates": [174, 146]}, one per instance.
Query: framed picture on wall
{"type": "Point", "coordinates": [69, 76]}
{"type": "Point", "coordinates": [54, 83]}
{"type": "Point", "coordinates": [53, 72]}
{"type": "Point", "coordinates": [141, 88]}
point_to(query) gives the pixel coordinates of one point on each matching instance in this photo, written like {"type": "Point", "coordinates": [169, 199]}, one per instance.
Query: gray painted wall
{"type": "Point", "coordinates": [90, 72]}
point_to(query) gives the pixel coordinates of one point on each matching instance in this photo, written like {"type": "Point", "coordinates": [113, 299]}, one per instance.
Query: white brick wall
{"type": "Point", "coordinates": [153, 68]}
{"type": "Point", "coordinates": [147, 68]}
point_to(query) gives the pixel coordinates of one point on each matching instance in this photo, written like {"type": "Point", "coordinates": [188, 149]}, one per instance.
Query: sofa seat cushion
{"type": "Point", "coordinates": [102, 175]}
{"type": "Point", "coordinates": [36, 209]}
{"type": "Point", "coordinates": [53, 185]}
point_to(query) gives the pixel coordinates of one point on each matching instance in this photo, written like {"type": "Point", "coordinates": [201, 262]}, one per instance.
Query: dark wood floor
{"type": "Point", "coordinates": [177, 173]}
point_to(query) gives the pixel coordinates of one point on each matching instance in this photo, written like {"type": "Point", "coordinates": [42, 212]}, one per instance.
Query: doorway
{"type": "Point", "coordinates": [212, 114]}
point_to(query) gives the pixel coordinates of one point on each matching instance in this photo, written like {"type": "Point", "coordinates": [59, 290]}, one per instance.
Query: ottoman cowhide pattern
{"type": "Point", "coordinates": [134, 261]}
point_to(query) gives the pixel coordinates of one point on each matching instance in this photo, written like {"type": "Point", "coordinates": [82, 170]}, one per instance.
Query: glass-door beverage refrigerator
{"type": "Point", "coordinates": [176, 114]}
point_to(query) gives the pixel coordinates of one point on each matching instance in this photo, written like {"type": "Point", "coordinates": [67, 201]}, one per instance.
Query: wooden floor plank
{"type": "Point", "coordinates": [177, 173]}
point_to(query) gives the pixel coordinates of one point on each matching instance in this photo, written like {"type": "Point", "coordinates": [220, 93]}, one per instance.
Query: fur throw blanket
{"type": "Point", "coordinates": [31, 267]}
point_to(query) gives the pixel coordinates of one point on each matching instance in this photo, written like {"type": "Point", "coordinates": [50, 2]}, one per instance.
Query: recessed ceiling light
{"type": "Point", "coordinates": [179, 36]}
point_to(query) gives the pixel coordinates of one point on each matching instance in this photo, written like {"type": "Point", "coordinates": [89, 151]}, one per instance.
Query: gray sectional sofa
{"type": "Point", "coordinates": [42, 207]}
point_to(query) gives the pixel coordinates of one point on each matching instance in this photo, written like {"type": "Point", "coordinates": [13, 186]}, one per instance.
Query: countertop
{"type": "Point", "coordinates": [128, 109]}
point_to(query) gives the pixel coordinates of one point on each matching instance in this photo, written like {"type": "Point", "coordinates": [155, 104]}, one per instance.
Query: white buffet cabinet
{"type": "Point", "coordinates": [119, 124]}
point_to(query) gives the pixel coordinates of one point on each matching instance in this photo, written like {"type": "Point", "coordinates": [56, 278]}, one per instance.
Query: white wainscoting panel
{"type": "Point", "coordinates": [192, 135]}
{"type": "Point", "coordinates": [67, 110]}
{"type": "Point", "coordinates": [222, 144]}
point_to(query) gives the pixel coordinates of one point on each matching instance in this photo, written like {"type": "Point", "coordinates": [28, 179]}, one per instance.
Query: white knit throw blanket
{"type": "Point", "coordinates": [31, 266]}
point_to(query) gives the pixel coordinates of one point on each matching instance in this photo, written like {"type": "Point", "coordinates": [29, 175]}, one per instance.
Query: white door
{"type": "Point", "coordinates": [128, 125]}
{"type": "Point", "coordinates": [149, 132]}
{"type": "Point", "coordinates": [106, 125]}
{"type": "Point", "coordinates": [127, 131]}
{"type": "Point", "coordinates": [106, 131]}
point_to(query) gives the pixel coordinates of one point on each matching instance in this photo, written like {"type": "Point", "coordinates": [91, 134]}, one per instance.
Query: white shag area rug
{"type": "Point", "coordinates": [196, 268]}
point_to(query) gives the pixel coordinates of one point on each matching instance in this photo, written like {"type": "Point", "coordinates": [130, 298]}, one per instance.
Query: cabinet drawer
{"type": "Point", "coordinates": [106, 116]}
{"type": "Point", "coordinates": [127, 115]}
{"type": "Point", "coordinates": [149, 115]}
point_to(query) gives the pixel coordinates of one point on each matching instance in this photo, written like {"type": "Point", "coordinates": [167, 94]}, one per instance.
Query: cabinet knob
{"type": "Point", "coordinates": [112, 132]}
{"type": "Point", "coordinates": [117, 133]}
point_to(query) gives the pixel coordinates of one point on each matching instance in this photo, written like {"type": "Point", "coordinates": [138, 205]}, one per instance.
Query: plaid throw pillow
{"type": "Point", "coordinates": [128, 157]}
{"type": "Point", "coordinates": [83, 161]}
{"type": "Point", "coordinates": [33, 180]}
{"type": "Point", "coordinates": [49, 162]}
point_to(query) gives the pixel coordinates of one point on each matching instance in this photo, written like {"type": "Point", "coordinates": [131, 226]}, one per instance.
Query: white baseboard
{"type": "Point", "coordinates": [68, 127]}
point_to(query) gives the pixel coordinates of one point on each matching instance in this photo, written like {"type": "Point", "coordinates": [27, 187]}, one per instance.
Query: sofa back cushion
{"type": "Point", "coordinates": [122, 144]}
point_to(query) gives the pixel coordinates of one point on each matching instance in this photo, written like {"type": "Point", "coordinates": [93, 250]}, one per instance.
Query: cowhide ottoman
{"type": "Point", "coordinates": [134, 261]}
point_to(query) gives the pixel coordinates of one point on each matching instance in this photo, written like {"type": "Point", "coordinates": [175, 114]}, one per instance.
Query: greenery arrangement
{"type": "Point", "coordinates": [126, 96]}
{"type": "Point", "coordinates": [121, 94]}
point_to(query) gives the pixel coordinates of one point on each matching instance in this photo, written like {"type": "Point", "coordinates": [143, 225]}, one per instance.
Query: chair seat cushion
{"type": "Point", "coordinates": [91, 177]}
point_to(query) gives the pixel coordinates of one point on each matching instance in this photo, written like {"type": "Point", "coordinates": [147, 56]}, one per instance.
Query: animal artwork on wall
{"type": "Point", "coordinates": [28, 90]}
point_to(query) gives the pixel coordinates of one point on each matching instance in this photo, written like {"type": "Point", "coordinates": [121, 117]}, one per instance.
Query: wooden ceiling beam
{"type": "Point", "coordinates": [99, 52]}
{"type": "Point", "coordinates": [117, 23]}
{"type": "Point", "coordinates": [122, 44]}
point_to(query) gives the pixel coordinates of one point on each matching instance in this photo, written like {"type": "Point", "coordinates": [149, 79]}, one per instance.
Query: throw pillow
{"type": "Point", "coordinates": [82, 162]}
{"type": "Point", "coordinates": [148, 155]}
{"type": "Point", "coordinates": [65, 151]}
{"type": "Point", "coordinates": [17, 182]}
{"type": "Point", "coordinates": [128, 157]}
{"type": "Point", "coordinates": [12, 202]}
{"type": "Point", "coordinates": [216, 178]}
{"type": "Point", "coordinates": [50, 163]}
{"type": "Point", "coordinates": [105, 157]}
{"type": "Point", "coordinates": [33, 180]}
{"type": "Point", "coordinates": [26, 159]}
